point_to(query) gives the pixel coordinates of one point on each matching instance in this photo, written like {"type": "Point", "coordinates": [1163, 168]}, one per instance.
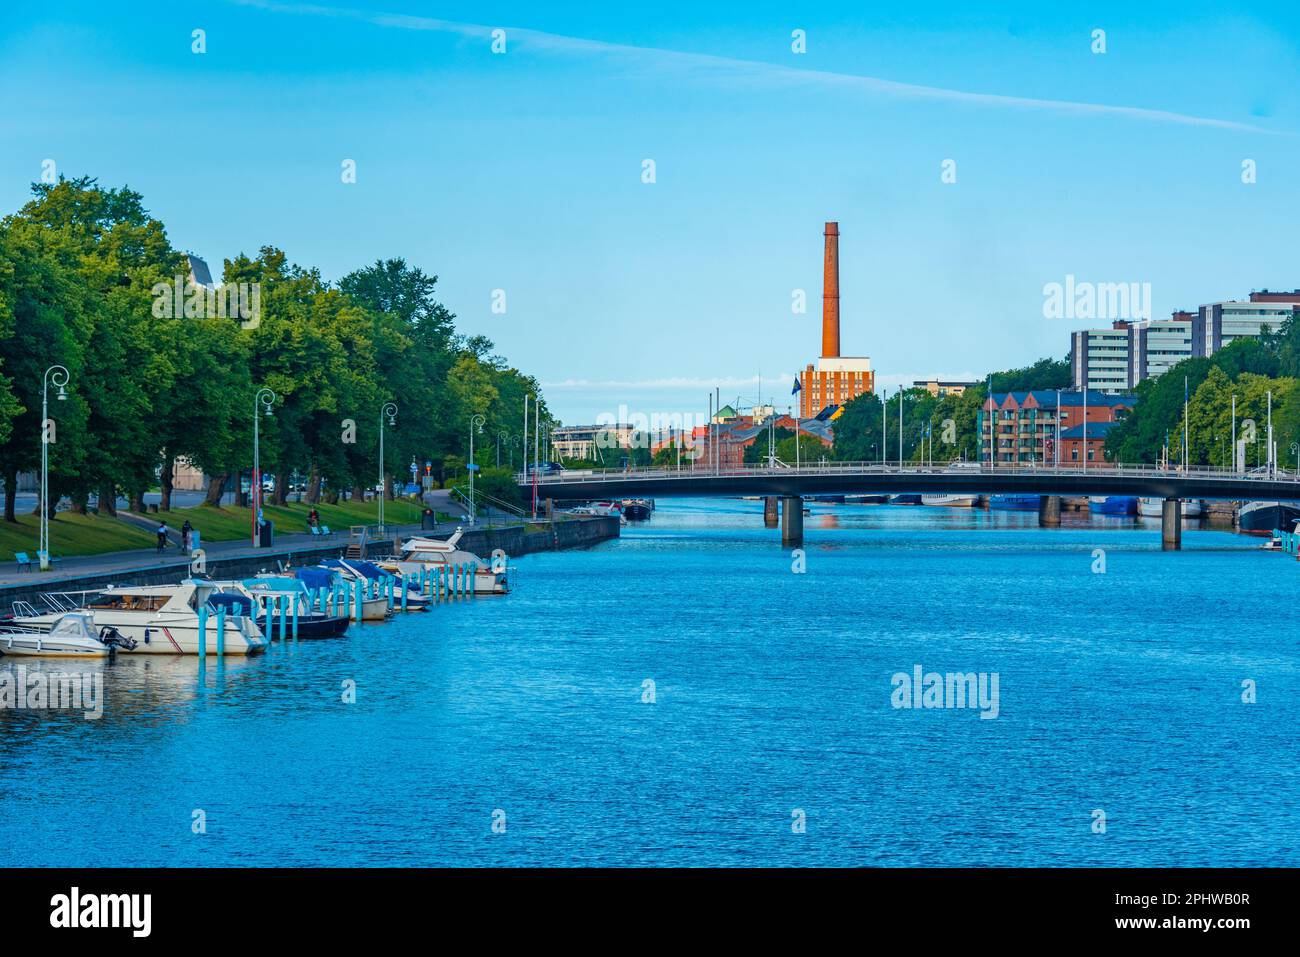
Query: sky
{"type": "Point", "coordinates": [522, 172]}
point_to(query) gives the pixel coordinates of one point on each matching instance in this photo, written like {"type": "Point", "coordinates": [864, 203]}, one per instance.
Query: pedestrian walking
{"type": "Point", "coordinates": [187, 535]}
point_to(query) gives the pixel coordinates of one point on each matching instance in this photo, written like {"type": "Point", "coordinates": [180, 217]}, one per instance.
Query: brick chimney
{"type": "Point", "coordinates": [831, 292]}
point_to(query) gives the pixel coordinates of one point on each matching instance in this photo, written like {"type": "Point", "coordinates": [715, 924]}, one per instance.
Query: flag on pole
{"type": "Point", "coordinates": [797, 386]}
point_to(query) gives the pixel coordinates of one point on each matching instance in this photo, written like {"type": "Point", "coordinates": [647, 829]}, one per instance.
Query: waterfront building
{"type": "Point", "coordinates": [1024, 423]}
{"type": "Point", "coordinates": [586, 441]}
{"type": "Point", "coordinates": [833, 379]}
{"type": "Point", "coordinates": [940, 388]}
{"type": "Point", "coordinates": [1091, 435]}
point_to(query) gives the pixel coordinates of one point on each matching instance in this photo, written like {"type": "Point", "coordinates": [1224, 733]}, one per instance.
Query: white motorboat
{"type": "Point", "coordinates": [952, 501]}
{"type": "Point", "coordinates": [73, 635]}
{"type": "Point", "coordinates": [1153, 507]}
{"type": "Point", "coordinates": [432, 553]}
{"type": "Point", "coordinates": [160, 619]}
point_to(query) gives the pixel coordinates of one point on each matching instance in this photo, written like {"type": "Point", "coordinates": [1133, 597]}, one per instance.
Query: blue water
{"type": "Point", "coordinates": [1118, 691]}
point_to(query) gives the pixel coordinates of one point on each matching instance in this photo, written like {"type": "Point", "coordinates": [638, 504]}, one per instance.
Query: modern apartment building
{"type": "Point", "coordinates": [1115, 360]}
{"type": "Point", "coordinates": [1099, 358]}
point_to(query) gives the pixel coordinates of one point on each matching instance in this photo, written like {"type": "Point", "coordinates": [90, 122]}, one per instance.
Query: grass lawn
{"type": "Point", "coordinates": [230, 522]}
{"type": "Point", "coordinates": [71, 534]}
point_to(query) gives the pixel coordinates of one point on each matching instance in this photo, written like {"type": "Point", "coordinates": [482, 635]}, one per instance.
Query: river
{"type": "Point", "coordinates": [693, 694]}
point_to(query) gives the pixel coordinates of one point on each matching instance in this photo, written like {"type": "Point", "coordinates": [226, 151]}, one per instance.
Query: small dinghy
{"type": "Point", "coordinates": [70, 636]}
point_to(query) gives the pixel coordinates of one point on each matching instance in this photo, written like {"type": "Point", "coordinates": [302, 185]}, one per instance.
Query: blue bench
{"type": "Point", "coordinates": [23, 560]}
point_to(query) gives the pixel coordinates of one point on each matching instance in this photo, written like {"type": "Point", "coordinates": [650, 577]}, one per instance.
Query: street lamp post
{"type": "Point", "coordinates": [389, 411]}
{"type": "Point", "coordinates": [59, 376]}
{"type": "Point", "coordinates": [262, 401]}
{"type": "Point", "coordinates": [474, 420]}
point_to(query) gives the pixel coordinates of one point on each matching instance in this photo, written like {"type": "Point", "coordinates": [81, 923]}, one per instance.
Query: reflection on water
{"type": "Point", "coordinates": [772, 689]}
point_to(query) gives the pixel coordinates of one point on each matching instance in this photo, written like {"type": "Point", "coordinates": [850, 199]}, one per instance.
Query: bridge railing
{"type": "Point", "coordinates": [1119, 470]}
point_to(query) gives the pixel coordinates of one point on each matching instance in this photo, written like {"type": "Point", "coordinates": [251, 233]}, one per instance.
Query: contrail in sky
{"type": "Point", "coordinates": [739, 68]}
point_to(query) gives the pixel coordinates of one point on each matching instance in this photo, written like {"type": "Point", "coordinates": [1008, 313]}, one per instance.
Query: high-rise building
{"type": "Point", "coordinates": [834, 379]}
{"type": "Point", "coordinates": [1115, 360]}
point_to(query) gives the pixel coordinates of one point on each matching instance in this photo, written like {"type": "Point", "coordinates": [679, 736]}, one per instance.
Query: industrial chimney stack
{"type": "Point", "coordinates": [831, 292]}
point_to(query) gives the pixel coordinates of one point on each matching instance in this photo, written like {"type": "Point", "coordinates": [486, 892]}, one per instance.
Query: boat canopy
{"type": "Point", "coordinates": [234, 604]}
{"type": "Point", "coordinates": [275, 583]}
{"type": "Point", "coordinates": [369, 569]}
{"type": "Point", "coordinates": [315, 578]}
{"type": "Point", "coordinates": [74, 625]}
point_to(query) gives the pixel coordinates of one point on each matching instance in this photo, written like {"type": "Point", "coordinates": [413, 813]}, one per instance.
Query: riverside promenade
{"type": "Point", "coordinates": [238, 559]}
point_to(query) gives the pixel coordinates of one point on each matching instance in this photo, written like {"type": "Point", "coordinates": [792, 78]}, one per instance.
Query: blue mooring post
{"type": "Point", "coordinates": [293, 600]}
{"type": "Point", "coordinates": [203, 634]}
{"type": "Point", "coordinates": [221, 631]}
{"type": "Point", "coordinates": [284, 617]}
{"type": "Point", "coordinates": [405, 589]}
{"type": "Point", "coordinates": [356, 599]}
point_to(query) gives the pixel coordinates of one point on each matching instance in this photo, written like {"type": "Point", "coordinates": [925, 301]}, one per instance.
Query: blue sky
{"type": "Point", "coordinates": [522, 171]}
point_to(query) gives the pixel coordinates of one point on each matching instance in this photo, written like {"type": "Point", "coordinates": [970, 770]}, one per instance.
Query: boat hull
{"type": "Point", "coordinates": [1154, 507]}
{"type": "Point", "coordinates": [309, 626]}
{"type": "Point", "coordinates": [1113, 504]}
{"type": "Point", "coordinates": [951, 501]}
{"type": "Point", "coordinates": [906, 498]}
{"type": "Point", "coordinates": [43, 646]}
{"type": "Point", "coordinates": [636, 512]}
{"type": "Point", "coordinates": [1260, 518]}
{"type": "Point", "coordinates": [1018, 503]}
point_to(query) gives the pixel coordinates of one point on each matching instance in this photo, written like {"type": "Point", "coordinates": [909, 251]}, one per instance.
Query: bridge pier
{"type": "Point", "coordinates": [791, 521]}
{"type": "Point", "coordinates": [769, 511]}
{"type": "Point", "coordinates": [1049, 511]}
{"type": "Point", "coordinates": [1171, 524]}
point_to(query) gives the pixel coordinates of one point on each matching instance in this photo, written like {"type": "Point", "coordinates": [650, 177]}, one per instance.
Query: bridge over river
{"type": "Point", "coordinates": [790, 484]}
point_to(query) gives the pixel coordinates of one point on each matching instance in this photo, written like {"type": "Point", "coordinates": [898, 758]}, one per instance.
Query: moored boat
{"type": "Point", "coordinates": [1154, 507]}
{"type": "Point", "coordinates": [1113, 504]}
{"type": "Point", "coordinates": [638, 509]}
{"type": "Point", "coordinates": [261, 597]}
{"type": "Point", "coordinates": [1260, 518]}
{"type": "Point", "coordinates": [160, 619]}
{"type": "Point", "coordinates": [952, 501]}
{"type": "Point", "coordinates": [1019, 503]}
{"type": "Point", "coordinates": [73, 635]}
{"type": "Point", "coordinates": [434, 554]}
{"type": "Point", "coordinates": [906, 498]}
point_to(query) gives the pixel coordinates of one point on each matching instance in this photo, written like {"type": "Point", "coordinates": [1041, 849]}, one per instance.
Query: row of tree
{"type": "Point", "coordinates": [83, 272]}
{"type": "Point", "coordinates": [1234, 388]}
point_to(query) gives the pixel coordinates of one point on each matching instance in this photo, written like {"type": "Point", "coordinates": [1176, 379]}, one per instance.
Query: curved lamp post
{"type": "Point", "coordinates": [59, 376]}
{"type": "Point", "coordinates": [389, 411]}
{"type": "Point", "coordinates": [474, 420]}
{"type": "Point", "coordinates": [262, 402]}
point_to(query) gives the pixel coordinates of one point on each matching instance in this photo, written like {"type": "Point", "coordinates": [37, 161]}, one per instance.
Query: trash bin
{"type": "Point", "coordinates": [266, 534]}
{"type": "Point", "coordinates": [428, 521]}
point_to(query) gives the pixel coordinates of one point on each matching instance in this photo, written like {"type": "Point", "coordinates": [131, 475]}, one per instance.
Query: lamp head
{"type": "Point", "coordinates": [63, 394]}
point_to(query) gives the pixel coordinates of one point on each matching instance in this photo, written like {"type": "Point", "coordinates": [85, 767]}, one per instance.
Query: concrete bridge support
{"type": "Point", "coordinates": [1049, 511]}
{"type": "Point", "coordinates": [769, 511]}
{"type": "Point", "coordinates": [1171, 524]}
{"type": "Point", "coordinates": [791, 521]}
